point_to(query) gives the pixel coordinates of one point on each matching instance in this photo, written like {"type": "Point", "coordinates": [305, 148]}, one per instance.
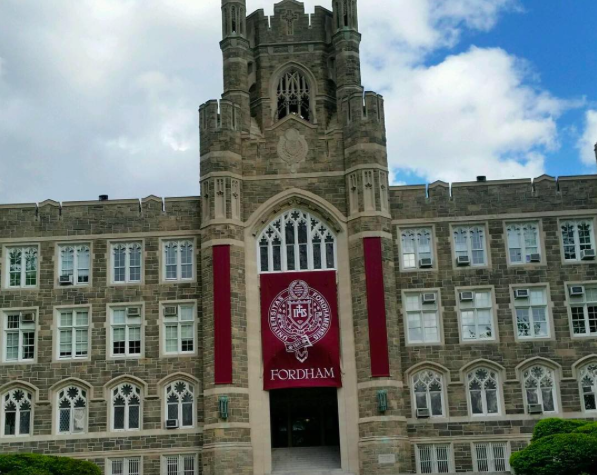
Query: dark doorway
{"type": "Point", "coordinates": [304, 418]}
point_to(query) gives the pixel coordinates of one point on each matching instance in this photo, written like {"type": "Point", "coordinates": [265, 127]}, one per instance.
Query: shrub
{"type": "Point", "coordinates": [553, 426]}
{"type": "Point", "coordinates": [35, 464]}
{"type": "Point", "coordinates": [588, 429]}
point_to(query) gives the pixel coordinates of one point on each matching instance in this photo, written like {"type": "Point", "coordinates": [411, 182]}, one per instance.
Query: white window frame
{"type": "Point", "coordinates": [23, 272]}
{"type": "Point", "coordinates": [575, 302]}
{"type": "Point", "coordinates": [463, 306]}
{"type": "Point", "coordinates": [424, 309]}
{"type": "Point", "coordinates": [483, 390]}
{"type": "Point", "coordinates": [180, 464]}
{"type": "Point", "coordinates": [491, 459]}
{"type": "Point", "coordinates": [5, 314]}
{"type": "Point", "coordinates": [591, 369]}
{"type": "Point", "coordinates": [77, 249]}
{"type": "Point", "coordinates": [554, 389]}
{"type": "Point", "coordinates": [525, 255]}
{"type": "Point", "coordinates": [442, 380]}
{"type": "Point", "coordinates": [85, 393]}
{"type": "Point", "coordinates": [127, 406]}
{"type": "Point", "coordinates": [434, 458]}
{"type": "Point", "coordinates": [58, 311]}
{"type": "Point", "coordinates": [127, 325]}
{"type": "Point", "coordinates": [417, 252]}
{"type": "Point", "coordinates": [166, 322]}
{"type": "Point", "coordinates": [527, 304]}
{"type": "Point", "coordinates": [164, 262]}
{"type": "Point", "coordinates": [194, 394]}
{"type": "Point", "coordinates": [31, 399]}
{"type": "Point", "coordinates": [125, 465]}
{"type": "Point", "coordinates": [127, 264]}
{"type": "Point", "coordinates": [577, 245]}
{"type": "Point", "coordinates": [469, 228]}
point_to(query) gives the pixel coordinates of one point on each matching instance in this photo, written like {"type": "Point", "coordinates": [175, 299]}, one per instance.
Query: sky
{"type": "Point", "coordinates": [101, 96]}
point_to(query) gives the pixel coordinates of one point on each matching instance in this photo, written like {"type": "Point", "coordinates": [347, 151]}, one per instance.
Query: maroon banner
{"type": "Point", "coordinates": [376, 308]}
{"type": "Point", "coordinates": [300, 330]}
{"type": "Point", "coordinates": [222, 315]}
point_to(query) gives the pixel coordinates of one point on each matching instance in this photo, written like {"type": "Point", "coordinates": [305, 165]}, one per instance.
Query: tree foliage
{"type": "Point", "coordinates": [35, 464]}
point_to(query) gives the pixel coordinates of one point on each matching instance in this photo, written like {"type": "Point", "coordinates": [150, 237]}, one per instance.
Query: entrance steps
{"type": "Point", "coordinates": [307, 461]}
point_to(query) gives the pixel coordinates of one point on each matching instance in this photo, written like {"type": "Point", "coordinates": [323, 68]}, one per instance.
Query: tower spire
{"type": "Point", "coordinates": [234, 18]}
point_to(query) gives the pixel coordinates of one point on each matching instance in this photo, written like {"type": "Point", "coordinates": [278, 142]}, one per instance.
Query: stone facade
{"type": "Point", "coordinates": [318, 144]}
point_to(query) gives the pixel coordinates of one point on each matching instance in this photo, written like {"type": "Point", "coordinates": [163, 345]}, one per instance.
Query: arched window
{"type": "Point", "coordinates": [469, 241]}
{"type": "Point", "coordinates": [416, 245]}
{"type": "Point", "coordinates": [483, 391]}
{"type": "Point", "coordinates": [294, 95]}
{"type": "Point", "coordinates": [297, 240]}
{"type": "Point", "coordinates": [588, 386]}
{"type": "Point", "coordinates": [16, 412]}
{"type": "Point", "coordinates": [72, 410]}
{"type": "Point", "coordinates": [180, 403]}
{"type": "Point", "coordinates": [540, 387]}
{"type": "Point", "coordinates": [428, 392]}
{"type": "Point", "coordinates": [126, 407]}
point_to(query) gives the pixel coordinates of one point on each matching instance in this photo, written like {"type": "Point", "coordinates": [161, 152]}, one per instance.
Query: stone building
{"type": "Point", "coordinates": [134, 331]}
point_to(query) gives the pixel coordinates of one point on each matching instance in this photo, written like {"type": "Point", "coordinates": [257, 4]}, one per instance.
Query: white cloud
{"type": "Point", "coordinates": [586, 143]}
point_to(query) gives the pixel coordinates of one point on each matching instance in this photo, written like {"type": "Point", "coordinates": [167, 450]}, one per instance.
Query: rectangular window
{"type": "Point", "coordinates": [584, 311]}
{"type": "Point", "coordinates": [577, 237]}
{"type": "Point", "coordinates": [179, 328]}
{"type": "Point", "coordinates": [180, 465]}
{"type": "Point", "coordinates": [126, 262]}
{"type": "Point", "coordinates": [73, 334]}
{"type": "Point", "coordinates": [476, 316]}
{"type": "Point", "coordinates": [492, 457]}
{"type": "Point", "coordinates": [532, 316]}
{"type": "Point", "coordinates": [434, 458]}
{"type": "Point", "coordinates": [125, 466]}
{"type": "Point", "coordinates": [22, 267]}
{"type": "Point", "coordinates": [178, 260]}
{"type": "Point", "coordinates": [126, 328]}
{"type": "Point", "coordinates": [416, 247]}
{"type": "Point", "coordinates": [19, 336]}
{"type": "Point", "coordinates": [523, 242]}
{"type": "Point", "coordinates": [75, 263]}
{"type": "Point", "coordinates": [469, 242]}
{"type": "Point", "coordinates": [422, 317]}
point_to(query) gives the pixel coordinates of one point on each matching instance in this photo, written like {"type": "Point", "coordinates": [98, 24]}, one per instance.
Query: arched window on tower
{"type": "Point", "coordinates": [294, 95]}
{"type": "Point", "coordinates": [294, 241]}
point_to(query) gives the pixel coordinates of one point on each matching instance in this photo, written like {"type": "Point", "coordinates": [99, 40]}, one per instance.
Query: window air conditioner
{"type": "Point", "coordinates": [65, 280]}
{"type": "Point", "coordinates": [170, 311]}
{"type": "Point", "coordinates": [172, 424]}
{"type": "Point", "coordinates": [429, 298]}
{"type": "Point", "coordinates": [426, 263]}
{"type": "Point", "coordinates": [522, 293]}
{"type": "Point", "coordinates": [535, 409]}
{"type": "Point", "coordinates": [133, 312]}
{"type": "Point", "coordinates": [463, 261]}
{"type": "Point", "coordinates": [535, 258]}
{"type": "Point", "coordinates": [577, 291]}
{"type": "Point", "coordinates": [467, 296]}
{"type": "Point", "coordinates": [423, 414]}
{"type": "Point", "coordinates": [587, 255]}
{"type": "Point", "coordinates": [28, 317]}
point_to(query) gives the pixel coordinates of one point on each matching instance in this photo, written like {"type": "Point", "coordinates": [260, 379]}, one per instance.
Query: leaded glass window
{"type": "Point", "coordinates": [577, 236]}
{"type": "Point", "coordinates": [126, 407]}
{"type": "Point", "coordinates": [469, 241]}
{"type": "Point", "coordinates": [72, 410]}
{"type": "Point", "coordinates": [16, 412]}
{"type": "Point", "coordinates": [523, 242]}
{"type": "Point", "coordinates": [294, 95]}
{"type": "Point", "coordinates": [180, 403]}
{"type": "Point", "coordinates": [126, 263]}
{"type": "Point", "coordinates": [178, 260]}
{"type": "Point", "coordinates": [22, 265]}
{"type": "Point", "coordinates": [428, 392]}
{"type": "Point", "coordinates": [75, 262]}
{"type": "Point", "coordinates": [416, 245]}
{"type": "Point", "coordinates": [588, 386]}
{"type": "Point", "coordinates": [540, 387]}
{"type": "Point", "coordinates": [483, 390]}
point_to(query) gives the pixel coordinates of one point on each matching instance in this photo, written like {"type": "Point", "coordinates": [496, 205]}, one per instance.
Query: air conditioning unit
{"type": "Point", "coordinates": [28, 317]}
{"type": "Point", "coordinates": [467, 296]}
{"type": "Point", "coordinates": [587, 255]}
{"type": "Point", "coordinates": [170, 311]}
{"type": "Point", "coordinates": [426, 263]}
{"type": "Point", "coordinates": [463, 261]}
{"type": "Point", "coordinates": [65, 280]}
{"type": "Point", "coordinates": [172, 424]}
{"type": "Point", "coordinates": [577, 291]}
{"type": "Point", "coordinates": [423, 414]}
{"type": "Point", "coordinates": [429, 298]}
{"type": "Point", "coordinates": [535, 258]}
{"type": "Point", "coordinates": [522, 293]}
{"type": "Point", "coordinates": [535, 409]}
{"type": "Point", "coordinates": [133, 312]}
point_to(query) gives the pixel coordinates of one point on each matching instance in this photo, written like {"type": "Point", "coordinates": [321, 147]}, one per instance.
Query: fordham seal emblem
{"type": "Point", "coordinates": [299, 316]}
{"type": "Point", "coordinates": [293, 149]}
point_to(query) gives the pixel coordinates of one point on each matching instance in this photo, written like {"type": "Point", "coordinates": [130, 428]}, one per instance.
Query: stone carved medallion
{"type": "Point", "coordinates": [293, 149]}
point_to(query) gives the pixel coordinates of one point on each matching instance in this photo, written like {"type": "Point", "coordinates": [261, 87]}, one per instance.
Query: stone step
{"type": "Point", "coordinates": [307, 461]}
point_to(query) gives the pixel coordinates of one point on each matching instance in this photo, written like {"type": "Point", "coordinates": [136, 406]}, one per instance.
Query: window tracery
{"type": "Point", "coordinates": [294, 95]}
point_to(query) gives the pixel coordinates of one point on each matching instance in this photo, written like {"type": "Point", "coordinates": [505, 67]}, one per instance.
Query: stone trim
{"type": "Point", "coordinates": [370, 234]}
{"type": "Point", "coordinates": [498, 217]}
{"type": "Point", "coordinates": [225, 390]}
{"type": "Point", "coordinates": [381, 383]}
{"type": "Point", "coordinates": [89, 237]}
{"type": "Point", "coordinates": [368, 420]}
{"type": "Point", "coordinates": [227, 425]}
{"type": "Point", "coordinates": [472, 438]}
{"type": "Point", "coordinates": [222, 242]}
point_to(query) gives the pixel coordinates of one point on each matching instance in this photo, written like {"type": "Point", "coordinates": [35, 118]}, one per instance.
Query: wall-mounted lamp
{"type": "Point", "coordinates": [382, 401]}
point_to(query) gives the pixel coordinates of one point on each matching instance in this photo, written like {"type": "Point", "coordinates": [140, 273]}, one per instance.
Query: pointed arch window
{"type": "Point", "coordinates": [295, 241]}
{"type": "Point", "coordinates": [126, 407]}
{"type": "Point", "coordinates": [180, 403]}
{"type": "Point", "coordinates": [588, 386]}
{"type": "Point", "coordinates": [75, 263]}
{"type": "Point", "coordinates": [294, 95]}
{"type": "Point", "coordinates": [428, 392]}
{"type": "Point", "coordinates": [72, 410]}
{"type": "Point", "coordinates": [540, 387]}
{"type": "Point", "coordinates": [17, 408]}
{"type": "Point", "coordinates": [483, 391]}
{"type": "Point", "coordinates": [126, 263]}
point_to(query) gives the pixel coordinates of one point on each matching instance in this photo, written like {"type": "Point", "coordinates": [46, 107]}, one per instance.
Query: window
{"type": "Point", "coordinates": [126, 407]}
{"type": "Point", "coordinates": [75, 263]}
{"type": "Point", "coordinates": [492, 457]}
{"type": "Point", "coordinates": [476, 316]}
{"type": "Point", "coordinates": [297, 240]}
{"type": "Point", "coordinates": [16, 412]}
{"type": "Point", "coordinates": [294, 95]}
{"type": "Point", "coordinates": [588, 386]}
{"type": "Point", "coordinates": [422, 317]}
{"type": "Point", "coordinates": [128, 466]}
{"type": "Point", "coordinates": [434, 458]}
{"type": "Point", "coordinates": [469, 241]}
{"type": "Point", "coordinates": [73, 334]}
{"type": "Point", "coordinates": [577, 236]}
{"type": "Point", "coordinates": [540, 387]}
{"type": "Point", "coordinates": [178, 260]}
{"type": "Point", "coordinates": [531, 315]}
{"type": "Point", "coordinates": [483, 392]}
{"type": "Point", "coordinates": [126, 263]}
{"type": "Point", "coordinates": [416, 245]}
{"type": "Point", "coordinates": [180, 403]}
{"type": "Point", "coordinates": [583, 309]}
{"type": "Point", "coordinates": [22, 266]}
{"type": "Point", "coordinates": [180, 465]}
{"type": "Point", "coordinates": [126, 331]}
{"type": "Point", "coordinates": [72, 410]}
{"type": "Point", "coordinates": [427, 386]}
{"type": "Point", "coordinates": [19, 336]}
{"type": "Point", "coordinates": [179, 328]}
{"type": "Point", "coordinates": [523, 242]}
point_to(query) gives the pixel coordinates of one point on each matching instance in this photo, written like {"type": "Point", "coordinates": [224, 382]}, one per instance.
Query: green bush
{"type": "Point", "coordinates": [588, 429]}
{"type": "Point", "coordinates": [553, 426]}
{"type": "Point", "coordinates": [34, 464]}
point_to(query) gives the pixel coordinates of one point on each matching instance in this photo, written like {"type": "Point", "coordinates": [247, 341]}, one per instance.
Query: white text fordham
{"type": "Point", "coordinates": [301, 374]}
